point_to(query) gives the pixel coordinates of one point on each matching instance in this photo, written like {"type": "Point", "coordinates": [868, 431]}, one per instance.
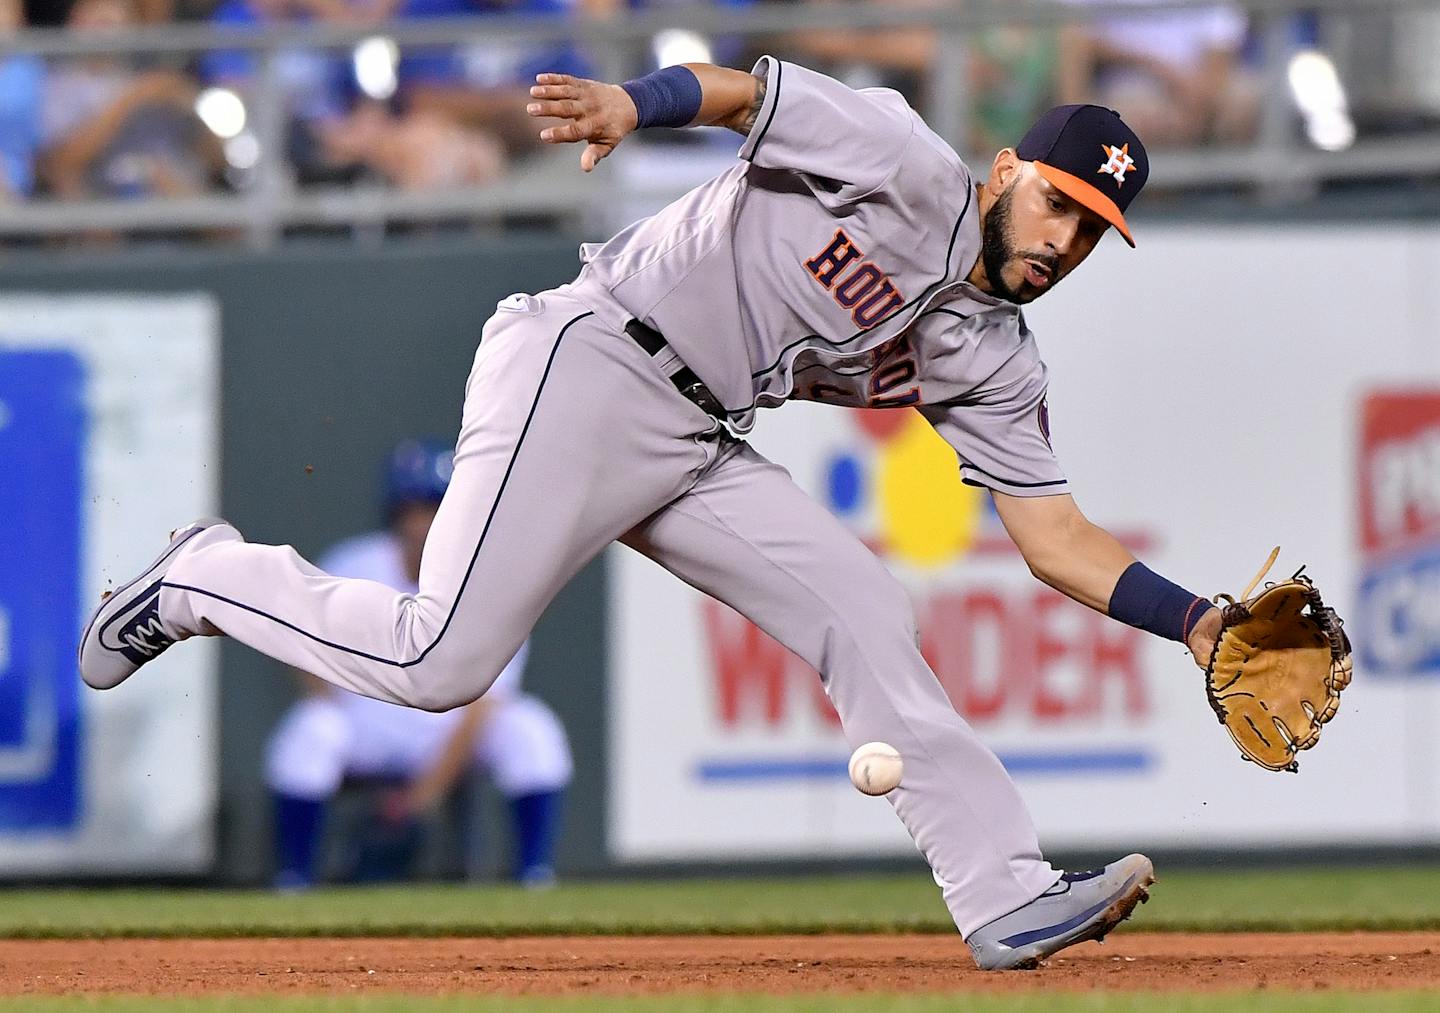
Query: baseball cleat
{"type": "Point", "coordinates": [1080, 906]}
{"type": "Point", "coordinates": [125, 632]}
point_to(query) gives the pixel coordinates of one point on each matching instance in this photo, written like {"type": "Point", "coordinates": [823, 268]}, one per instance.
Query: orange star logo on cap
{"type": "Point", "coordinates": [1119, 162]}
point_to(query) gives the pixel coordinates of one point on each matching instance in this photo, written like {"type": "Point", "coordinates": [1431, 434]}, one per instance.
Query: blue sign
{"type": "Point", "coordinates": [1061, 763]}
{"type": "Point", "coordinates": [1398, 612]}
{"type": "Point", "coordinates": [42, 440]}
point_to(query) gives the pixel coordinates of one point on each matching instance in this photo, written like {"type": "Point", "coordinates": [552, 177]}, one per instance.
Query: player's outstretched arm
{"type": "Point", "coordinates": [1085, 562]}
{"type": "Point", "coordinates": [601, 115]}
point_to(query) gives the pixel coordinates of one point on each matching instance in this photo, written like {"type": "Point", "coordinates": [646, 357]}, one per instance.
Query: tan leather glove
{"type": "Point", "coordinates": [1277, 670]}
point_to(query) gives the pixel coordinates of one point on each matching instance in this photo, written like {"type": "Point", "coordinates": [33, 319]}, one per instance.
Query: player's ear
{"type": "Point", "coordinates": [1003, 171]}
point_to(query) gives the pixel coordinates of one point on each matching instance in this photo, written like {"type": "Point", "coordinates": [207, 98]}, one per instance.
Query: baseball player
{"type": "Point", "coordinates": [329, 735]}
{"type": "Point", "coordinates": [849, 256]}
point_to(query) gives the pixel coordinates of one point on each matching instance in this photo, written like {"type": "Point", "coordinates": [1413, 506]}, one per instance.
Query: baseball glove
{"type": "Point", "coordinates": [1278, 667]}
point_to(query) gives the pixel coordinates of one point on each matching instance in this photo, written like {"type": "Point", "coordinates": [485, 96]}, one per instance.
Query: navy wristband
{"type": "Point", "coordinates": [666, 98]}
{"type": "Point", "coordinates": [1144, 599]}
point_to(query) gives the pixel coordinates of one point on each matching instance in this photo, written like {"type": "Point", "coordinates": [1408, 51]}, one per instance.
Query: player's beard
{"type": "Point", "coordinates": [997, 251]}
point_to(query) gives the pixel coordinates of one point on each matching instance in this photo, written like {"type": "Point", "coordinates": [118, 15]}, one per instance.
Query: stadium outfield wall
{"type": "Point", "coordinates": [327, 355]}
{"type": "Point", "coordinates": [1213, 393]}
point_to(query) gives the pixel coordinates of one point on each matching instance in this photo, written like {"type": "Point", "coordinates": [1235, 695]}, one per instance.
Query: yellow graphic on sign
{"type": "Point", "coordinates": [927, 515]}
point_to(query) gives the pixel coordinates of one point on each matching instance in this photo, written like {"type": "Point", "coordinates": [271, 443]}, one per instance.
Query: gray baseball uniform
{"type": "Point", "coordinates": [828, 265]}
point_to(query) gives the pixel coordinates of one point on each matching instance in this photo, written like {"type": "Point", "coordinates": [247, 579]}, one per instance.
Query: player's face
{"type": "Point", "coordinates": [1034, 235]}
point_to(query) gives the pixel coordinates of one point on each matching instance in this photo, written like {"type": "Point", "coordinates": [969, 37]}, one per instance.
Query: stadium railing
{"type": "Point", "coordinates": [1278, 162]}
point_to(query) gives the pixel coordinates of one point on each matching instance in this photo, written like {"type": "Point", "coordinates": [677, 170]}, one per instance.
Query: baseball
{"type": "Point", "coordinates": [876, 768]}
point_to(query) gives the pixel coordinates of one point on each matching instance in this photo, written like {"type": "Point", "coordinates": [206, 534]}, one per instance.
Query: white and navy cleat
{"type": "Point", "coordinates": [125, 632]}
{"type": "Point", "coordinates": [1080, 906]}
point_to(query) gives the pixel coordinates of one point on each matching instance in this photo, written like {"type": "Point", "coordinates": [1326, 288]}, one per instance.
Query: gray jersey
{"type": "Point", "coordinates": [829, 265]}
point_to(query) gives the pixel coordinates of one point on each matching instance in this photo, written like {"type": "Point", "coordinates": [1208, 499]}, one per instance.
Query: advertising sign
{"type": "Point", "coordinates": [1057, 690]}
{"type": "Point", "coordinates": [42, 441]}
{"type": "Point", "coordinates": [108, 439]}
{"type": "Point", "coordinates": [1179, 414]}
{"type": "Point", "coordinates": [1400, 533]}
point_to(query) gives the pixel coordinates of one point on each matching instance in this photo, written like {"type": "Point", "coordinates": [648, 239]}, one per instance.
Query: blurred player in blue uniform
{"type": "Point", "coordinates": [332, 733]}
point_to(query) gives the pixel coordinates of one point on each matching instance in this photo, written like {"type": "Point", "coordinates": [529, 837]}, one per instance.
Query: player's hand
{"type": "Point", "coordinates": [598, 113]}
{"type": "Point", "coordinates": [1202, 637]}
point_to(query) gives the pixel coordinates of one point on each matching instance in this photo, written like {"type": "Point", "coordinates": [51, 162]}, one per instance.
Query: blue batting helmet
{"type": "Point", "coordinates": [417, 471]}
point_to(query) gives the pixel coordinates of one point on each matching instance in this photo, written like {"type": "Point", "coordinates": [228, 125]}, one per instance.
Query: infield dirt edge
{"type": "Point", "coordinates": [673, 965]}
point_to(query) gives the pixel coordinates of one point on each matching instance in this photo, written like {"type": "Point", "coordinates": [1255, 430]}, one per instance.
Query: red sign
{"type": "Point", "coordinates": [1399, 479]}
{"type": "Point", "coordinates": [999, 652]}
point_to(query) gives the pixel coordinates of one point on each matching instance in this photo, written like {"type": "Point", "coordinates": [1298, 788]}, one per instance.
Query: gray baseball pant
{"type": "Point", "coordinates": [572, 437]}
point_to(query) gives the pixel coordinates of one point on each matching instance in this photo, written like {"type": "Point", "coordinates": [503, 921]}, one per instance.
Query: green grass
{"type": "Point", "coordinates": [1135, 1002]}
{"type": "Point", "coordinates": [1300, 900]}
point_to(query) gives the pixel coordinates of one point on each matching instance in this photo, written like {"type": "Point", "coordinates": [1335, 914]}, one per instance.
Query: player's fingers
{"type": "Point", "coordinates": [566, 109]}
{"type": "Point", "coordinates": [553, 91]}
{"type": "Point", "coordinates": [590, 157]}
{"type": "Point", "coordinates": [566, 133]}
{"type": "Point", "coordinates": [554, 79]}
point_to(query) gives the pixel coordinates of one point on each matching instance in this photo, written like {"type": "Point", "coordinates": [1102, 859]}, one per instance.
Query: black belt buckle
{"type": "Point", "coordinates": [700, 395]}
{"type": "Point", "coordinates": [686, 382]}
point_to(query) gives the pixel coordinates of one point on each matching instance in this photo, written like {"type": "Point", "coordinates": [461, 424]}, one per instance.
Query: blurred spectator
{"type": "Point", "coordinates": [110, 131]}
{"type": "Point", "coordinates": [419, 150]}
{"type": "Point", "coordinates": [316, 86]}
{"type": "Point", "coordinates": [1010, 69]}
{"type": "Point", "coordinates": [53, 13]}
{"type": "Point", "coordinates": [682, 45]}
{"type": "Point", "coordinates": [1175, 75]}
{"type": "Point", "coordinates": [334, 129]}
{"type": "Point", "coordinates": [898, 58]}
{"type": "Point", "coordinates": [46, 13]}
{"type": "Point", "coordinates": [1012, 82]}
{"type": "Point", "coordinates": [154, 12]}
{"type": "Point", "coordinates": [485, 85]}
{"type": "Point", "coordinates": [332, 734]}
{"type": "Point", "coordinates": [21, 82]}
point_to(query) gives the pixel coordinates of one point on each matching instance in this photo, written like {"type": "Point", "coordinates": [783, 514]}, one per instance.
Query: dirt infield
{"type": "Point", "coordinates": [652, 964]}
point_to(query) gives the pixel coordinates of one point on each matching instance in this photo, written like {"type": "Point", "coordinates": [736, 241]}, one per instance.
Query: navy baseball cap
{"type": "Point", "coordinates": [417, 471]}
{"type": "Point", "coordinates": [1089, 154]}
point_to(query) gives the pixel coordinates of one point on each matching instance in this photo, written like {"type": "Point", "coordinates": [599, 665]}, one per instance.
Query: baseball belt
{"type": "Point", "coordinates": [684, 378]}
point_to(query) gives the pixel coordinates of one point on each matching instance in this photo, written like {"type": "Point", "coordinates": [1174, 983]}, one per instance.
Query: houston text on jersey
{"type": "Point", "coordinates": [866, 291]}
